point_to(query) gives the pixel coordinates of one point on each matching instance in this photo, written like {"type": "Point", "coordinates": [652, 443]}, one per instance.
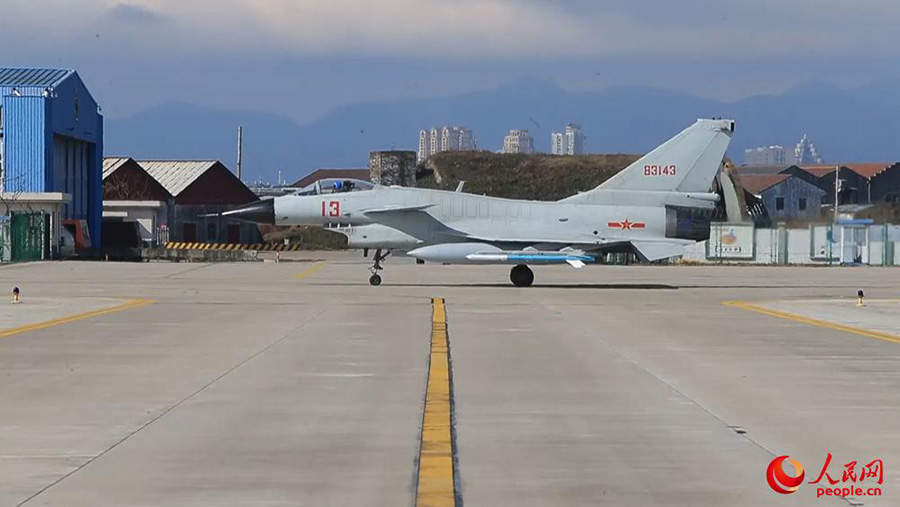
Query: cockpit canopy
{"type": "Point", "coordinates": [335, 186]}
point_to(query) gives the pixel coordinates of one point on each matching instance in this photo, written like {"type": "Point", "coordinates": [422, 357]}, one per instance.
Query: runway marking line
{"type": "Point", "coordinates": [868, 333]}
{"type": "Point", "coordinates": [435, 484]}
{"type": "Point", "coordinates": [315, 267]}
{"type": "Point", "coordinates": [134, 303]}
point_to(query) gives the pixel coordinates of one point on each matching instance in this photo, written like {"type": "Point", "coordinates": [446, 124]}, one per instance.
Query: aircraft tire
{"type": "Point", "coordinates": [521, 275]}
{"type": "Point", "coordinates": [375, 280]}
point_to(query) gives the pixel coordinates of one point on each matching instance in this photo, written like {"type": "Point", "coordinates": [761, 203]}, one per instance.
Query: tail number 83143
{"type": "Point", "coordinates": [331, 208]}
{"type": "Point", "coordinates": [659, 170]}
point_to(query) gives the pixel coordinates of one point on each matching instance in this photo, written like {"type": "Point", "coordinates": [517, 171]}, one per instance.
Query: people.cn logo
{"type": "Point", "coordinates": [779, 480]}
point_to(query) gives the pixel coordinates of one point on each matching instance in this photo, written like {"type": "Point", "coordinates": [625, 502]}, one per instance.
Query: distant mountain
{"type": "Point", "coordinates": [859, 124]}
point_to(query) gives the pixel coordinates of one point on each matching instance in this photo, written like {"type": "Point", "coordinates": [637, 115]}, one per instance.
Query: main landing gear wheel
{"type": "Point", "coordinates": [375, 279]}
{"type": "Point", "coordinates": [521, 276]}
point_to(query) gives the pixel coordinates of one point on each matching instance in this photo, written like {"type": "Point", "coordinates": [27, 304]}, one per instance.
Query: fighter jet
{"type": "Point", "coordinates": [652, 208]}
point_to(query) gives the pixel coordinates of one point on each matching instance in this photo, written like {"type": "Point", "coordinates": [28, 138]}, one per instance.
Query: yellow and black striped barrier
{"type": "Point", "coordinates": [262, 247]}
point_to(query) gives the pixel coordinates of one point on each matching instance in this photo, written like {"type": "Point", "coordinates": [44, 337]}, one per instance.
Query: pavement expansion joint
{"type": "Point", "coordinates": [170, 408]}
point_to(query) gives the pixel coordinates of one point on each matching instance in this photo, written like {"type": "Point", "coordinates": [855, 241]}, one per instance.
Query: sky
{"type": "Point", "coordinates": [302, 58]}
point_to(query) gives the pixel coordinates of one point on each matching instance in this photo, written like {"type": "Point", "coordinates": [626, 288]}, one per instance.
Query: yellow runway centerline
{"type": "Point", "coordinates": [868, 333]}
{"type": "Point", "coordinates": [436, 482]}
{"type": "Point", "coordinates": [315, 267]}
{"type": "Point", "coordinates": [134, 303]}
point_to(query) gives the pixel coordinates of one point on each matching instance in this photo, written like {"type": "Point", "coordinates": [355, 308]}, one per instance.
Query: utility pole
{"type": "Point", "coordinates": [240, 151]}
{"type": "Point", "coordinates": [837, 189]}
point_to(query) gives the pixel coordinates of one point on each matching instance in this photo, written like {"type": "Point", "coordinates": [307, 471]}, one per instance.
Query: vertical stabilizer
{"type": "Point", "coordinates": [688, 162]}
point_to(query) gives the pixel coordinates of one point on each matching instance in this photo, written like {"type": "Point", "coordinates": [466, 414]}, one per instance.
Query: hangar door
{"type": "Point", "coordinates": [71, 174]}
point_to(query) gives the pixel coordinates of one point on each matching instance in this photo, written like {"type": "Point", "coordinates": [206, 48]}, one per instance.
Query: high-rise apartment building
{"type": "Point", "coordinates": [568, 142]}
{"type": "Point", "coordinates": [805, 153]}
{"type": "Point", "coordinates": [557, 143]}
{"type": "Point", "coordinates": [447, 138]}
{"type": "Point", "coordinates": [518, 141]}
{"type": "Point", "coordinates": [765, 156]}
{"type": "Point", "coordinates": [424, 150]}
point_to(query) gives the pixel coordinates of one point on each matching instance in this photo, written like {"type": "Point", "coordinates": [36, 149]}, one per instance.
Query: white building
{"type": "Point", "coordinates": [568, 142]}
{"type": "Point", "coordinates": [805, 153]}
{"type": "Point", "coordinates": [456, 138]}
{"type": "Point", "coordinates": [447, 138]}
{"type": "Point", "coordinates": [424, 146]}
{"type": "Point", "coordinates": [765, 156]}
{"type": "Point", "coordinates": [435, 136]}
{"type": "Point", "coordinates": [557, 143]}
{"type": "Point", "coordinates": [518, 141]}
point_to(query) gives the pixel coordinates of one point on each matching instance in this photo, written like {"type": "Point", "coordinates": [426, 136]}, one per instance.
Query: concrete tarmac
{"type": "Point", "coordinates": [297, 383]}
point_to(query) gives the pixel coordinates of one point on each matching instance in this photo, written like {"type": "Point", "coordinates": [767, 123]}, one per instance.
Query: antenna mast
{"type": "Point", "coordinates": [240, 151]}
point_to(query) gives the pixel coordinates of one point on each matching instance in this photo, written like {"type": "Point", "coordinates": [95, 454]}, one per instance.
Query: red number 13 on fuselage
{"type": "Point", "coordinates": [331, 209]}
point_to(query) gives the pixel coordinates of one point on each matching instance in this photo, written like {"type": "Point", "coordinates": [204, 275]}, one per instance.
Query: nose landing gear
{"type": "Point", "coordinates": [521, 276]}
{"type": "Point", "coordinates": [375, 279]}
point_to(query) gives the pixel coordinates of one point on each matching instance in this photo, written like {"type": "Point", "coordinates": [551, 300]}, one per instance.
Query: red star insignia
{"type": "Point", "coordinates": [626, 225]}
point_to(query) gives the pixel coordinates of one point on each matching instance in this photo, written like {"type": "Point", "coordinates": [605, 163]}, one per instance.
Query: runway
{"type": "Point", "coordinates": [297, 383]}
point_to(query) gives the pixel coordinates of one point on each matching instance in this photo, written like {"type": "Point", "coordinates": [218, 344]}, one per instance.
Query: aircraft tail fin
{"type": "Point", "coordinates": [687, 162]}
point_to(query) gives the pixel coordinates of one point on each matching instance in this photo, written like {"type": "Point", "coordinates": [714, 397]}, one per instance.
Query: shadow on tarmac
{"type": "Point", "coordinates": [620, 286]}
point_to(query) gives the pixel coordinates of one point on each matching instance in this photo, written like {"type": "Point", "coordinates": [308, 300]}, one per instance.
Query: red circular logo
{"type": "Point", "coordinates": [780, 481]}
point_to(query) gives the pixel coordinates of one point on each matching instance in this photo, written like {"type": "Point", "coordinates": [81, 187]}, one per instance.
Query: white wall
{"type": "Point", "coordinates": [148, 217]}
{"type": "Point", "coordinates": [793, 246]}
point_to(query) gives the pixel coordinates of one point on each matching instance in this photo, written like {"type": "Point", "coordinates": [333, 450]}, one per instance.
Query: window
{"type": "Point", "coordinates": [802, 204]}
{"type": "Point", "coordinates": [779, 203]}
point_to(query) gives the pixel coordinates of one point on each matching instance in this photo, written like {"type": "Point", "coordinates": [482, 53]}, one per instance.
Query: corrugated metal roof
{"type": "Point", "coordinates": [176, 175]}
{"type": "Point", "coordinates": [869, 170]}
{"type": "Point", "coordinates": [760, 169]}
{"type": "Point", "coordinates": [866, 170]}
{"type": "Point", "coordinates": [110, 164]}
{"type": "Point", "coordinates": [757, 183]}
{"type": "Point", "coordinates": [33, 77]}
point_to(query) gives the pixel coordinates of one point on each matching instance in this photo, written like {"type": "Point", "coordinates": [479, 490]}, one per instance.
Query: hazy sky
{"type": "Point", "coordinates": [304, 57]}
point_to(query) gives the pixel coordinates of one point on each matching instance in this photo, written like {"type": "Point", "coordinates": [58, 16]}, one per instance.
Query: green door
{"type": "Point", "coordinates": [29, 236]}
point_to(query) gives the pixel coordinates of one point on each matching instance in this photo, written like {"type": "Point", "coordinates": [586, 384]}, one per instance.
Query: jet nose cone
{"type": "Point", "coordinates": [261, 212]}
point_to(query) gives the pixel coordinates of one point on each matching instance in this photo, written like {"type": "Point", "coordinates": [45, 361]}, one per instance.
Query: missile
{"type": "Point", "coordinates": [483, 253]}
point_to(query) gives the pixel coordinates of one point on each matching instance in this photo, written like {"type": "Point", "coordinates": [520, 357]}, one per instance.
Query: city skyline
{"type": "Point", "coordinates": [804, 152]}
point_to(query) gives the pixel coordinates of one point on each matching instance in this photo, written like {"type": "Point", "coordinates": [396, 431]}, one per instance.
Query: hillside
{"type": "Point", "coordinates": [538, 177]}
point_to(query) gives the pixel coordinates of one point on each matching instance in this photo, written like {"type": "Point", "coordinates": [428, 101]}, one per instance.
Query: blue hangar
{"type": "Point", "coordinates": [51, 143]}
